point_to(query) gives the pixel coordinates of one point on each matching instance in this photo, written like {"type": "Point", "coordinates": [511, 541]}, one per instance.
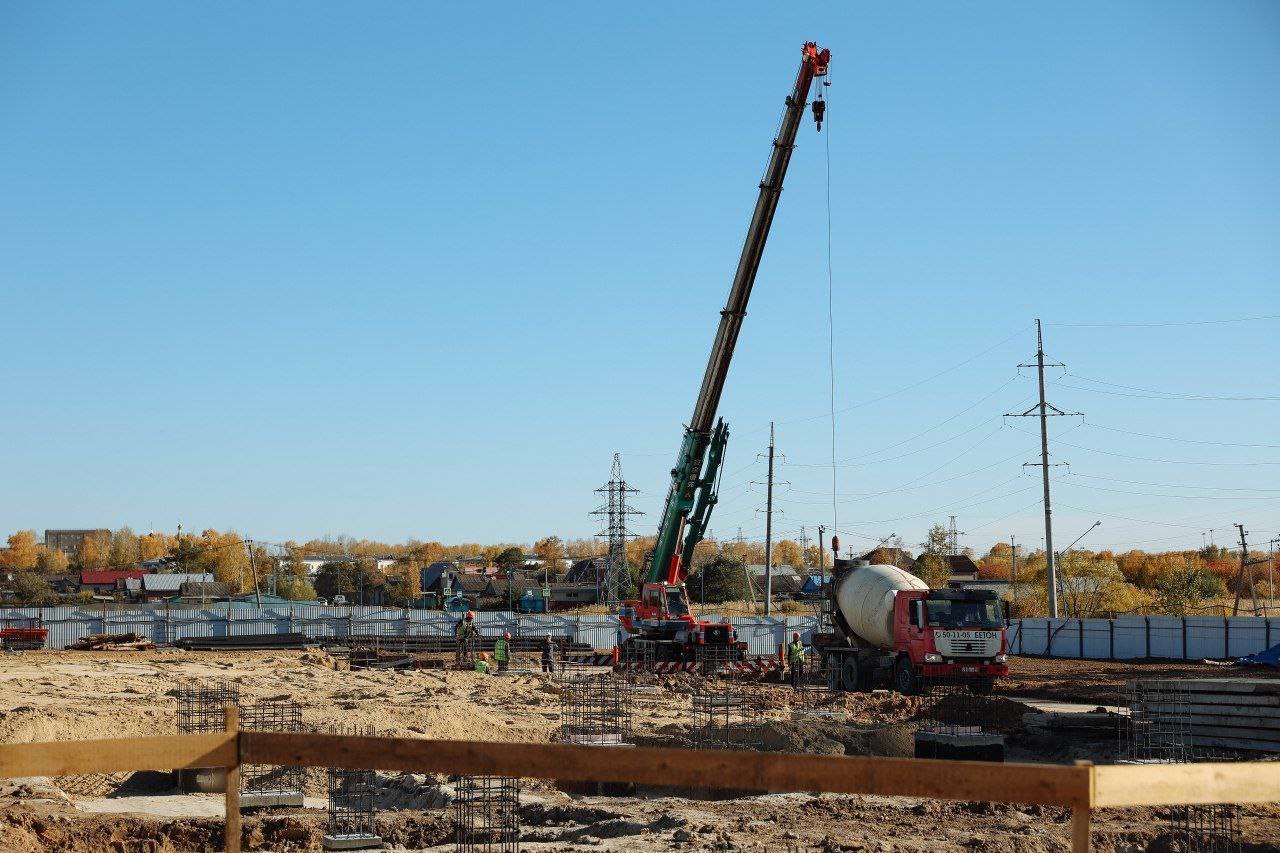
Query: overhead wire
{"type": "Point", "coordinates": [1150, 393]}
{"type": "Point", "coordinates": [1162, 325]}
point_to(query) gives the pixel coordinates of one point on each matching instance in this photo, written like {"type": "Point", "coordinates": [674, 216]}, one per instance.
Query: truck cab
{"type": "Point", "coordinates": [661, 619]}
{"type": "Point", "coordinates": [952, 634]}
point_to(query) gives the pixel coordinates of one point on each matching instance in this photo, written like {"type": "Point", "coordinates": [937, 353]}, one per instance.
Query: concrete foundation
{"type": "Point", "coordinates": [355, 841]}
{"type": "Point", "coordinates": [270, 799]}
{"type": "Point", "coordinates": [959, 747]}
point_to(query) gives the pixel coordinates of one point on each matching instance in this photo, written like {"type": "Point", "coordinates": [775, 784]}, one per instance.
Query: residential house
{"type": "Point", "coordinates": [108, 582]}
{"type": "Point", "coordinates": [313, 562]}
{"type": "Point", "coordinates": [191, 592]}
{"type": "Point", "coordinates": [161, 587]}
{"type": "Point", "coordinates": [591, 570]}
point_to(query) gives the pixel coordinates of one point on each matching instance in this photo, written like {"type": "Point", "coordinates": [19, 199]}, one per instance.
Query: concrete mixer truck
{"type": "Point", "coordinates": [890, 627]}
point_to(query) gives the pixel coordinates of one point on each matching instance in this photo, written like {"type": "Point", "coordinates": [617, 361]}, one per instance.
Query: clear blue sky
{"type": "Point", "coordinates": [419, 270]}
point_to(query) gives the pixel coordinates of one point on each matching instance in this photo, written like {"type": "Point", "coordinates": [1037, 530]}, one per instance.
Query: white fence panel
{"type": "Point", "coordinates": [1131, 637]}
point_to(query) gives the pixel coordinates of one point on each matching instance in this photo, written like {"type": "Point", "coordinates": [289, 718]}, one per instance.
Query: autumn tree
{"type": "Point", "coordinates": [124, 552]}
{"type": "Point", "coordinates": [719, 579]}
{"type": "Point", "coordinates": [153, 546]}
{"type": "Point", "coordinates": [51, 561]}
{"type": "Point", "coordinates": [93, 551]}
{"type": "Point", "coordinates": [22, 552]}
{"type": "Point", "coordinates": [32, 590]}
{"type": "Point", "coordinates": [550, 550]}
{"type": "Point", "coordinates": [932, 566]}
{"type": "Point", "coordinates": [509, 558]}
{"type": "Point", "coordinates": [787, 553]}
{"type": "Point", "coordinates": [1183, 592]}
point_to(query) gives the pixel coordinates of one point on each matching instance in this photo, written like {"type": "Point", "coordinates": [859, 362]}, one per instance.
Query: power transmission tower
{"type": "Point", "coordinates": [615, 512]}
{"type": "Point", "coordinates": [1044, 411]}
{"type": "Point", "coordinates": [953, 538]}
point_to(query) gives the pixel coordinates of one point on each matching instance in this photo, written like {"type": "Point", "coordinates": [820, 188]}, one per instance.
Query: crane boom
{"type": "Point", "coordinates": [692, 493]}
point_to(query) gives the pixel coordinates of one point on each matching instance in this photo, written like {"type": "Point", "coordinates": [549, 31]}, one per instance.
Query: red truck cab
{"type": "Point", "coordinates": [949, 634]}
{"type": "Point", "coordinates": [662, 615]}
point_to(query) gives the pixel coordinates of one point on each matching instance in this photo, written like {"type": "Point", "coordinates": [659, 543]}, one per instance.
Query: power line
{"type": "Point", "coordinates": [1172, 485]}
{"type": "Point", "coordinates": [1162, 325]}
{"type": "Point", "coordinates": [1181, 440]}
{"type": "Point", "coordinates": [1154, 459]}
{"type": "Point", "coordinates": [1149, 393]}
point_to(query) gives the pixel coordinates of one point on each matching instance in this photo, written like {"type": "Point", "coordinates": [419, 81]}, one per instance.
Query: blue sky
{"type": "Point", "coordinates": [420, 270]}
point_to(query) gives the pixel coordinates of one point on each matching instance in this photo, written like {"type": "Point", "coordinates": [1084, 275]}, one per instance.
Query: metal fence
{"type": "Point", "coordinates": [67, 624]}
{"type": "Point", "coordinates": [1128, 637]}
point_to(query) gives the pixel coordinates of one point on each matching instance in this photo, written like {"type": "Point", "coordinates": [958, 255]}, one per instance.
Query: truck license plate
{"type": "Point", "coordinates": [968, 669]}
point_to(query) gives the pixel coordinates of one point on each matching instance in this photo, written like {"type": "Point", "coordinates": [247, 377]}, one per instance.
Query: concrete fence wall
{"type": "Point", "coordinates": [68, 624]}
{"type": "Point", "coordinates": [1128, 637]}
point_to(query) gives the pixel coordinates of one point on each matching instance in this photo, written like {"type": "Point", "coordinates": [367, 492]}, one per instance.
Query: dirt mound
{"type": "Point", "coordinates": [993, 713]}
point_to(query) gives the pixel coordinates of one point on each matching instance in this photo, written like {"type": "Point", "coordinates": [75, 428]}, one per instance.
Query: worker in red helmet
{"type": "Point", "coordinates": [795, 659]}
{"type": "Point", "coordinates": [502, 651]}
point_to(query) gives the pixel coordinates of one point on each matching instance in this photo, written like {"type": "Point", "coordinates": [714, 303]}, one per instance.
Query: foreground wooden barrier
{"type": "Point", "coordinates": [1081, 787]}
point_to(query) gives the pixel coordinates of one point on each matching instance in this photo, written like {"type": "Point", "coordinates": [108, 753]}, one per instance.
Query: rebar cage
{"type": "Point", "coordinates": [954, 708]}
{"type": "Point", "coordinates": [596, 709]}
{"type": "Point", "coordinates": [486, 814]}
{"type": "Point", "coordinates": [727, 714]}
{"type": "Point", "coordinates": [352, 796]}
{"type": "Point", "coordinates": [202, 707]}
{"type": "Point", "coordinates": [272, 715]}
{"type": "Point", "coordinates": [1157, 730]}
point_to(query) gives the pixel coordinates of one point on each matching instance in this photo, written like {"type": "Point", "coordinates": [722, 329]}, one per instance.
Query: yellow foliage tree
{"type": "Point", "coordinates": [153, 545]}
{"type": "Point", "coordinates": [94, 550]}
{"type": "Point", "coordinates": [22, 552]}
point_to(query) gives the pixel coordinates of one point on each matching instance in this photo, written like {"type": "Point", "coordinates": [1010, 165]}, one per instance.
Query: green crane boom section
{"type": "Point", "coordinates": [692, 494]}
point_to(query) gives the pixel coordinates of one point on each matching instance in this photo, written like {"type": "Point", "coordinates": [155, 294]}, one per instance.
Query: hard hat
{"type": "Point", "coordinates": [471, 615]}
{"type": "Point", "coordinates": [506, 634]}
{"type": "Point", "coordinates": [796, 635]}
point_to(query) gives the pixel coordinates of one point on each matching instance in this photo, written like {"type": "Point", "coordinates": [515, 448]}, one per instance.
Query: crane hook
{"type": "Point", "coordinates": [819, 110]}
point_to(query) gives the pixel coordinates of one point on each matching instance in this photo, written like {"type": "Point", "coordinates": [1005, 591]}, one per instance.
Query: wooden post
{"type": "Point", "coordinates": [1080, 829]}
{"type": "Point", "coordinates": [231, 838]}
{"type": "Point", "coordinates": [1082, 813]}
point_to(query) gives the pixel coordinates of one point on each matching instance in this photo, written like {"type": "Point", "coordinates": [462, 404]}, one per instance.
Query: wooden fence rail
{"type": "Point", "coordinates": [1081, 787]}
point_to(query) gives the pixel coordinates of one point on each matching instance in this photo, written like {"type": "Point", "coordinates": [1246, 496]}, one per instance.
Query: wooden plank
{"type": "Point", "coordinates": [909, 777]}
{"type": "Point", "coordinates": [71, 757]}
{"type": "Point", "coordinates": [231, 824]}
{"type": "Point", "coordinates": [1166, 784]}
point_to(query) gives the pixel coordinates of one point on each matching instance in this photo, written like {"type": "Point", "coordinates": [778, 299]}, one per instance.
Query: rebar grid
{"type": "Point", "coordinates": [954, 708]}
{"type": "Point", "coordinates": [202, 707]}
{"type": "Point", "coordinates": [638, 654]}
{"type": "Point", "coordinates": [352, 794]}
{"type": "Point", "coordinates": [272, 715]}
{"type": "Point", "coordinates": [714, 660]}
{"type": "Point", "coordinates": [1158, 727]}
{"type": "Point", "coordinates": [1158, 731]}
{"type": "Point", "coordinates": [1212, 828]}
{"type": "Point", "coordinates": [727, 714]}
{"type": "Point", "coordinates": [596, 710]}
{"type": "Point", "coordinates": [486, 814]}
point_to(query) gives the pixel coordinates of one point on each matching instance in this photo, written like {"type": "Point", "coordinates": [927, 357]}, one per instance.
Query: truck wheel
{"type": "Point", "coordinates": [904, 678]}
{"type": "Point", "coordinates": [982, 686]}
{"type": "Point", "coordinates": [849, 675]}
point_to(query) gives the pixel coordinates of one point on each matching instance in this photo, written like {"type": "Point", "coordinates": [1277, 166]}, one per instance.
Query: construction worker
{"type": "Point", "coordinates": [548, 654]}
{"type": "Point", "coordinates": [464, 633]}
{"type": "Point", "coordinates": [795, 658]}
{"type": "Point", "coordinates": [502, 651]}
{"type": "Point", "coordinates": [482, 663]}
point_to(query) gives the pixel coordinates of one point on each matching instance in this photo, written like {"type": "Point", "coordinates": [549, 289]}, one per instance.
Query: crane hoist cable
{"type": "Point", "coordinates": [831, 325]}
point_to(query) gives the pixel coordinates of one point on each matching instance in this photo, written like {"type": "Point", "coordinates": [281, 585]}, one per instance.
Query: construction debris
{"type": "Point", "coordinates": [128, 642]}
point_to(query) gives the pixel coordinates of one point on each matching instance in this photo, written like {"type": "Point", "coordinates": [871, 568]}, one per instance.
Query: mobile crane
{"type": "Point", "coordinates": [659, 622]}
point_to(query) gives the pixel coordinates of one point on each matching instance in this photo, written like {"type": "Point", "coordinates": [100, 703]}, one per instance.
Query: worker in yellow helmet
{"type": "Point", "coordinates": [795, 658]}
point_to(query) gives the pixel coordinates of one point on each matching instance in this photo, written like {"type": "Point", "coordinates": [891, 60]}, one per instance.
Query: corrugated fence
{"type": "Point", "coordinates": [1127, 637]}
{"type": "Point", "coordinates": [68, 624]}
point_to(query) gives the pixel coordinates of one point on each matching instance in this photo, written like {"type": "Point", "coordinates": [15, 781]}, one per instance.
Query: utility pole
{"type": "Point", "coordinates": [1013, 569]}
{"type": "Point", "coordinates": [1044, 410]}
{"type": "Point", "coordinates": [953, 538]}
{"type": "Point", "coordinates": [615, 511]}
{"type": "Point", "coordinates": [768, 532]}
{"type": "Point", "coordinates": [1245, 564]}
{"type": "Point", "coordinates": [253, 567]}
{"type": "Point", "coordinates": [804, 548]}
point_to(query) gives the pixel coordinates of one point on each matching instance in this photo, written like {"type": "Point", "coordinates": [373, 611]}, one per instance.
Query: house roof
{"type": "Point", "coordinates": [470, 583]}
{"type": "Point", "coordinates": [198, 589]}
{"type": "Point", "coordinates": [778, 571]}
{"type": "Point", "coordinates": [109, 578]}
{"type": "Point", "coordinates": [173, 582]}
{"type": "Point", "coordinates": [786, 584]}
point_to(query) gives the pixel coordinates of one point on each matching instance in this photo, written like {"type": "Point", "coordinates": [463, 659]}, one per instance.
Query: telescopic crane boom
{"type": "Point", "coordinates": [692, 492]}
{"type": "Point", "coordinates": [662, 609]}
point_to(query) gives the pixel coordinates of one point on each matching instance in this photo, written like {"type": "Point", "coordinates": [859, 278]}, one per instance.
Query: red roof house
{"type": "Point", "coordinates": [108, 581]}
